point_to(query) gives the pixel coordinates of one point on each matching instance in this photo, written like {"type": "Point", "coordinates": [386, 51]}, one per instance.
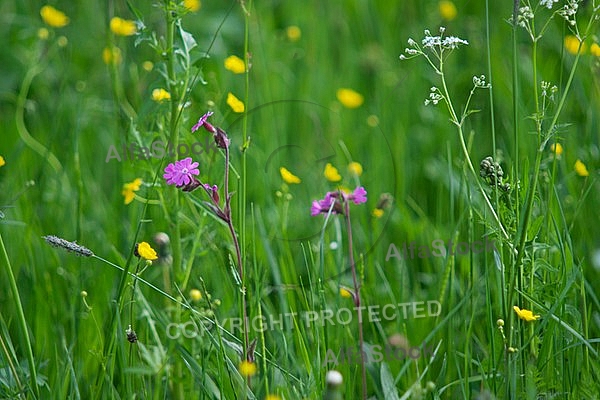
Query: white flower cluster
{"type": "Point", "coordinates": [434, 96]}
{"type": "Point", "coordinates": [437, 44]}
{"type": "Point", "coordinates": [548, 3]}
{"type": "Point", "coordinates": [450, 42]}
{"type": "Point", "coordinates": [548, 90]}
{"type": "Point", "coordinates": [525, 15]}
{"type": "Point", "coordinates": [479, 82]}
{"type": "Point", "coordinates": [568, 11]}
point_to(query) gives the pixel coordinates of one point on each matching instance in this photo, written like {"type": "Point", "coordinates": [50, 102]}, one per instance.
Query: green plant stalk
{"type": "Point", "coordinates": [21, 319]}
{"type": "Point", "coordinates": [20, 121]}
{"type": "Point", "coordinates": [510, 373]}
{"type": "Point", "coordinates": [533, 185]}
{"type": "Point", "coordinates": [109, 344]}
{"type": "Point", "coordinates": [357, 285]}
{"type": "Point", "coordinates": [174, 137]}
{"type": "Point", "coordinates": [488, 289]}
{"type": "Point", "coordinates": [459, 126]}
{"type": "Point", "coordinates": [178, 390]}
{"type": "Point", "coordinates": [238, 253]}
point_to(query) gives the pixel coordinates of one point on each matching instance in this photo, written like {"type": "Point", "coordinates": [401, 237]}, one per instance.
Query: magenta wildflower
{"type": "Point", "coordinates": [321, 206]}
{"type": "Point", "coordinates": [336, 199]}
{"type": "Point", "coordinates": [359, 195]}
{"type": "Point", "coordinates": [203, 122]}
{"type": "Point", "coordinates": [181, 172]}
{"type": "Point", "coordinates": [212, 192]}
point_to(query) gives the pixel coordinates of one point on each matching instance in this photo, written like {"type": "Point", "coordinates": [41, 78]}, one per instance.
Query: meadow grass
{"type": "Point", "coordinates": [251, 296]}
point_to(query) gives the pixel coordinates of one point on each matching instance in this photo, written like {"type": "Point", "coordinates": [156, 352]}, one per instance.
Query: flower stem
{"type": "Point", "coordinates": [238, 252]}
{"type": "Point", "coordinates": [20, 319]}
{"type": "Point", "coordinates": [357, 302]}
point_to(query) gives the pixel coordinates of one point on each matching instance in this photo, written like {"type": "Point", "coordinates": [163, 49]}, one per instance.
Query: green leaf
{"type": "Point", "coordinates": [387, 383]}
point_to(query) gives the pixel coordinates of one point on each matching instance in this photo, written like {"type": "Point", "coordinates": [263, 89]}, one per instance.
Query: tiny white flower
{"type": "Point", "coordinates": [548, 3]}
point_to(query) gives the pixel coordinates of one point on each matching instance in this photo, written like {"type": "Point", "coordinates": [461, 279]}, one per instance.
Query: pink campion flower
{"type": "Point", "coordinates": [321, 206]}
{"type": "Point", "coordinates": [212, 191]}
{"type": "Point", "coordinates": [358, 196]}
{"type": "Point", "coordinates": [203, 122]}
{"type": "Point", "coordinates": [181, 172]}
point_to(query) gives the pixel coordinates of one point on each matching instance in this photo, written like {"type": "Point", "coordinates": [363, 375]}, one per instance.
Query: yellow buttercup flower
{"type": "Point", "coordinates": [247, 368]}
{"type": "Point", "coordinates": [525, 315]}
{"type": "Point", "coordinates": [272, 397]}
{"type": "Point", "coordinates": [293, 33]}
{"type": "Point", "coordinates": [111, 56]}
{"type": "Point", "coordinates": [377, 213]}
{"type": "Point", "coordinates": [2, 162]}
{"type": "Point", "coordinates": [235, 65]}
{"type": "Point", "coordinates": [145, 251]}
{"type": "Point", "coordinates": [130, 188]}
{"type": "Point", "coordinates": [122, 27]}
{"type": "Point", "coordinates": [557, 149]}
{"type": "Point", "coordinates": [54, 17]}
{"type": "Point", "coordinates": [355, 168]}
{"type": "Point", "coordinates": [62, 41]}
{"type": "Point", "coordinates": [447, 10]}
{"type": "Point", "coordinates": [345, 293]}
{"type": "Point", "coordinates": [148, 66]}
{"type": "Point", "coordinates": [372, 121]}
{"type": "Point", "coordinates": [580, 168]}
{"type": "Point", "coordinates": [196, 295]}
{"type": "Point", "coordinates": [43, 34]}
{"type": "Point", "coordinates": [572, 44]}
{"type": "Point", "coordinates": [288, 177]}
{"type": "Point", "coordinates": [192, 5]}
{"type": "Point", "coordinates": [331, 173]}
{"type": "Point", "coordinates": [160, 94]}
{"type": "Point", "coordinates": [349, 98]}
{"type": "Point", "coordinates": [235, 103]}
{"type": "Point", "coordinates": [595, 49]}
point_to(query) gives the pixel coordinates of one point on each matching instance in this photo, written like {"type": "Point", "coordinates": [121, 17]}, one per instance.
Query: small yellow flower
{"type": "Point", "coordinates": [377, 212]}
{"type": "Point", "coordinates": [235, 65]}
{"type": "Point", "coordinates": [372, 121]}
{"type": "Point", "coordinates": [349, 98]}
{"type": "Point", "coordinates": [572, 44]}
{"type": "Point", "coordinates": [556, 149]}
{"type": "Point", "coordinates": [112, 56]}
{"type": "Point", "coordinates": [272, 397]}
{"type": "Point", "coordinates": [192, 5]}
{"type": "Point", "coordinates": [2, 162]}
{"type": "Point", "coordinates": [345, 293]}
{"type": "Point", "coordinates": [129, 188]}
{"type": "Point", "coordinates": [146, 252]}
{"type": "Point", "coordinates": [148, 66]}
{"type": "Point", "coordinates": [43, 34]}
{"type": "Point", "coordinates": [288, 177]}
{"type": "Point", "coordinates": [331, 173]}
{"type": "Point", "coordinates": [595, 50]}
{"type": "Point", "coordinates": [580, 168]}
{"type": "Point", "coordinates": [525, 315]}
{"type": "Point", "coordinates": [293, 33]}
{"type": "Point", "coordinates": [160, 94]}
{"type": "Point", "coordinates": [447, 10]}
{"type": "Point", "coordinates": [355, 168]}
{"type": "Point", "coordinates": [122, 27]}
{"type": "Point", "coordinates": [247, 368]}
{"type": "Point", "coordinates": [235, 103]}
{"type": "Point", "coordinates": [196, 295]}
{"type": "Point", "coordinates": [62, 41]}
{"type": "Point", "coordinates": [53, 17]}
